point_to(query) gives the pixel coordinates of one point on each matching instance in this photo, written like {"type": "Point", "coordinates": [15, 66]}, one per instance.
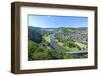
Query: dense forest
{"type": "Point", "coordinates": [57, 43]}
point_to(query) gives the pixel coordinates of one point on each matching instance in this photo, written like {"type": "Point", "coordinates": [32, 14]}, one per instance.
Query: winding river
{"type": "Point", "coordinates": [61, 49]}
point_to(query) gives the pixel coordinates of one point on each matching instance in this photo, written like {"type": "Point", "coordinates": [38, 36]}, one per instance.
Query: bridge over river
{"type": "Point", "coordinates": [61, 49]}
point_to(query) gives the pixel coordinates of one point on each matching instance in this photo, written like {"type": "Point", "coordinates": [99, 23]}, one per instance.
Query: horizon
{"type": "Point", "coordinates": [57, 21]}
{"type": "Point", "coordinates": [58, 27]}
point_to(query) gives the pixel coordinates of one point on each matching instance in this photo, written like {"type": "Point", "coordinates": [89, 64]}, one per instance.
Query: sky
{"type": "Point", "coordinates": [57, 21]}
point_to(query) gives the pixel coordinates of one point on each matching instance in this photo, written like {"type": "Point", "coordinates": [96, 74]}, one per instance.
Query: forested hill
{"type": "Point", "coordinates": [72, 29]}
{"type": "Point", "coordinates": [34, 34]}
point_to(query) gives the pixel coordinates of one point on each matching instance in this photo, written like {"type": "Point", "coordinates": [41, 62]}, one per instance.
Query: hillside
{"type": "Point", "coordinates": [57, 40]}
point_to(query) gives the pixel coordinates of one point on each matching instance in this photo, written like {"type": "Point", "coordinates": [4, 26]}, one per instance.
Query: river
{"type": "Point", "coordinates": [61, 49]}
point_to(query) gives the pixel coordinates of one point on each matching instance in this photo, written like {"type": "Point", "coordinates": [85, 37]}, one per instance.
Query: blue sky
{"type": "Point", "coordinates": [57, 21]}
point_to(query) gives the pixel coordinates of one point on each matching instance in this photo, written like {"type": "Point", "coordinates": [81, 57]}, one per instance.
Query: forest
{"type": "Point", "coordinates": [57, 43]}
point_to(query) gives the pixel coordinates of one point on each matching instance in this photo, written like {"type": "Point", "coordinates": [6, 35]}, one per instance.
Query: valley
{"type": "Point", "coordinates": [57, 43]}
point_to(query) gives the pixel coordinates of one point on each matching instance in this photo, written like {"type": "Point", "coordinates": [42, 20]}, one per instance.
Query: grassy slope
{"type": "Point", "coordinates": [47, 38]}
{"type": "Point", "coordinates": [72, 48]}
{"type": "Point", "coordinates": [80, 44]}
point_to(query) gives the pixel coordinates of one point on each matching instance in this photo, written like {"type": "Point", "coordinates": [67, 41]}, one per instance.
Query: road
{"type": "Point", "coordinates": [61, 49]}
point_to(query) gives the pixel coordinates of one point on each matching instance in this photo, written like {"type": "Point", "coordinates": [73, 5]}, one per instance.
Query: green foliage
{"type": "Point", "coordinates": [39, 43]}
{"type": "Point", "coordinates": [68, 45]}
{"type": "Point", "coordinates": [71, 44]}
{"type": "Point", "coordinates": [38, 52]}
{"type": "Point", "coordinates": [68, 56]}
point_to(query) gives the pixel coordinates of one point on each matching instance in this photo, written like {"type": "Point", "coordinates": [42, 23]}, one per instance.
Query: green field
{"type": "Point", "coordinates": [81, 45]}
{"type": "Point", "coordinates": [47, 38]}
{"type": "Point", "coordinates": [71, 46]}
